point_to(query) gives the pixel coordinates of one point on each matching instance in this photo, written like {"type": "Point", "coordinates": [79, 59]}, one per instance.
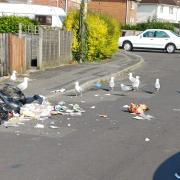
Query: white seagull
{"type": "Point", "coordinates": [126, 88]}
{"type": "Point", "coordinates": [111, 83]}
{"type": "Point", "coordinates": [157, 85]}
{"type": "Point", "coordinates": [13, 76]}
{"type": "Point", "coordinates": [136, 83]}
{"type": "Point", "coordinates": [22, 86]}
{"type": "Point", "coordinates": [78, 88]}
{"type": "Point", "coordinates": [131, 78]}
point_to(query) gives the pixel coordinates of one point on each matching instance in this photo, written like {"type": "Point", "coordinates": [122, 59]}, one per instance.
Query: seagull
{"type": "Point", "coordinates": [131, 78]}
{"type": "Point", "coordinates": [111, 83]}
{"type": "Point", "coordinates": [157, 85]}
{"type": "Point", "coordinates": [78, 88]}
{"type": "Point", "coordinates": [13, 76]}
{"type": "Point", "coordinates": [136, 83]}
{"type": "Point", "coordinates": [22, 86]}
{"type": "Point", "coordinates": [126, 88]}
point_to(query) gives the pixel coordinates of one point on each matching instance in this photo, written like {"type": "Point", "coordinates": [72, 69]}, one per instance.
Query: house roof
{"type": "Point", "coordinates": [169, 2]}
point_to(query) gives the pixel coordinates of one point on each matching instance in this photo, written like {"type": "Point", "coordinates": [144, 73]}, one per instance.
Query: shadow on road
{"type": "Point", "coordinates": [169, 169]}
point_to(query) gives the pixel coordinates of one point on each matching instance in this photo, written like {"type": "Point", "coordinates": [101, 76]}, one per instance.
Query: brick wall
{"type": "Point", "coordinates": [114, 8]}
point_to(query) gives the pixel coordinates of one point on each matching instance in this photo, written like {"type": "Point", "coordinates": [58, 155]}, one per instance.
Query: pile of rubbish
{"type": "Point", "coordinates": [138, 110]}
{"type": "Point", "coordinates": [13, 102]}
{"type": "Point", "coordinates": [15, 106]}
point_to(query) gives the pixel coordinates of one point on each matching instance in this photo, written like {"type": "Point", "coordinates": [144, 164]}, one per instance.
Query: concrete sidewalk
{"type": "Point", "coordinates": [43, 82]}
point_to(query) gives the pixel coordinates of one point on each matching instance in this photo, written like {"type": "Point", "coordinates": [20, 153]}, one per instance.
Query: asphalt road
{"type": "Point", "coordinates": [90, 147]}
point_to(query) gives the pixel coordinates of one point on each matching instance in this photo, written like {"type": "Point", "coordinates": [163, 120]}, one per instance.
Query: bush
{"type": "Point", "coordinates": [11, 23]}
{"type": "Point", "coordinates": [102, 33]}
{"type": "Point", "coordinates": [150, 24]}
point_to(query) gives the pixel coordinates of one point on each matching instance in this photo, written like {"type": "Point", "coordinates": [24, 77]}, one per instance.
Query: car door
{"type": "Point", "coordinates": [145, 40]}
{"type": "Point", "coordinates": [161, 39]}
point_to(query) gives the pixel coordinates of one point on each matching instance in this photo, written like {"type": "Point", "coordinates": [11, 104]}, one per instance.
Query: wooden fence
{"type": "Point", "coordinates": [4, 64]}
{"type": "Point", "coordinates": [49, 48]}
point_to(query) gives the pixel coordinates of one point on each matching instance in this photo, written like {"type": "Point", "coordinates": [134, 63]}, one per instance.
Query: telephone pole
{"type": "Point", "coordinates": [82, 30]}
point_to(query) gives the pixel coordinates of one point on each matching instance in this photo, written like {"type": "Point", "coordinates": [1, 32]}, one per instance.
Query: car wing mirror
{"type": "Point", "coordinates": [140, 36]}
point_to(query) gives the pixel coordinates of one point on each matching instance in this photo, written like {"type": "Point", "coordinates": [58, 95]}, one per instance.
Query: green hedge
{"type": "Point", "coordinates": [102, 33]}
{"type": "Point", "coordinates": [11, 23]}
{"type": "Point", "coordinates": [150, 24]}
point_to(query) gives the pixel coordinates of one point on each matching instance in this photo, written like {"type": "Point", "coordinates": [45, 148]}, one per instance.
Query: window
{"type": "Point", "coordinates": [149, 34]}
{"type": "Point", "coordinates": [161, 9]}
{"type": "Point", "coordinates": [44, 20]}
{"type": "Point", "coordinates": [170, 10]}
{"type": "Point", "coordinates": [161, 34]}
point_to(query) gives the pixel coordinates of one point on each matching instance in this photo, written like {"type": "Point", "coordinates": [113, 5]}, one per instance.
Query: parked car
{"type": "Point", "coordinates": [151, 39]}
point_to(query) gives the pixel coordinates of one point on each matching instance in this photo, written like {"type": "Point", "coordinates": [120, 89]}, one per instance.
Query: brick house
{"type": "Point", "coordinates": [123, 10]}
{"type": "Point", "coordinates": [57, 3]}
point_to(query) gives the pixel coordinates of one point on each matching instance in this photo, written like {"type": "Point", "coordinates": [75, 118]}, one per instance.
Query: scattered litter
{"type": "Point", "coordinates": [107, 94]}
{"type": "Point", "coordinates": [177, 175]}
{"type": "Point", "coordinates": [72, 110]}
{"type": "Point", "coordinates": [21, 123]}
{"type": "Point", "coordinates": [53, 127]}
{"type": "Point", "coordinates": [138, 117]}
{"type": "Point", "coordinates": [126, 106]}
{"type": "Point", "coordinates": [93, 107]}
{"type": "Point", "coordinates": [176, 109]}
{"type": "Point", "coordinates": [69, 125]}
{"type": "Point", "coordinates": [83, 101]}
{"type": "Point", "coordinates": [98, 85]}
{"type": "Point", "coordinates": [9, 124]}
{"type": "Point", "coordinates": [40, 126]}
{"type": "Point", "coordinates": [146, 116]}
{"type": "Point", "coordinates": [138, 109]}
{"type": "Point", "coordinates": [147, 139]}
{"type": "Point", "coordinates": [62, 90]}
{"type": "Point", "coordinates": [96, 95]}
{"type": "Point", "coordinates": [103, 115]}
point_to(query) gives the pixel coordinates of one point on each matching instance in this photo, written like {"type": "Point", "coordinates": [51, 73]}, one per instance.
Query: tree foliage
{"type": "Point", "coordinates": [11, 23]}
{"type": "Point", "coordinates": [101, 36]}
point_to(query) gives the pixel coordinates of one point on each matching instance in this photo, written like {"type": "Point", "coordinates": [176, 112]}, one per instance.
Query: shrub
{"type": "Point", "coordinates": [150, 24]}
{"type": "Point", "coordinates": [102, 33]}
{"type": "Point", "coordinates": [11, 23]}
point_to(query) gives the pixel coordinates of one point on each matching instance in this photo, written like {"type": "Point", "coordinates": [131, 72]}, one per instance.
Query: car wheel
{"type": "Point", "coordinates": [170, 48]}
{"type": "Point", "coordinates": [127, 46]}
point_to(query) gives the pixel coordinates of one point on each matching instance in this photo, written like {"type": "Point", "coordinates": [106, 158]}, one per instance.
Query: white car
{"type": "Point", "coordinates": [151, 39]}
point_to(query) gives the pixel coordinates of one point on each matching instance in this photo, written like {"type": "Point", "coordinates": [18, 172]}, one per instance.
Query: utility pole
{"type": "Point", "coordinates": [82, 41]}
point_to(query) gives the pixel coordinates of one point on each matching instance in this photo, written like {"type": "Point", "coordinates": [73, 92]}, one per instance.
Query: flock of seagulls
{"type": "Point", "coordinates": [135, 83]}
{"type": "Point", "coordinates": [134, 86]}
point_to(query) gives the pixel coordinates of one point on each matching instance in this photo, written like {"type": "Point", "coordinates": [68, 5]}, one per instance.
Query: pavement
{"type": "Point", "coordinates": [44, 82]}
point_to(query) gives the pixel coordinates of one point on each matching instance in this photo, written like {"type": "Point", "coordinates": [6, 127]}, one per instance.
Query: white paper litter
{"type": "Point", "coordinates": [147, 139]}
{"type": "Point", "coordinates": [176, 109]}
{"type": "Point", "coordinates": [59, 90]}
{"type": "Point", "coordinates": [96, 95]}
{"type": "Point", "coordinates": [93, 107]}
{"type": "Point", "coordinates": [126, 106]}
{"type": "Point", "coordinates": [138, 117]}
{"type": "Point", "coordinates": [107, 94]}
{"type": "Point", "coordinates": [53, 127]}
{"type": "Point", "coordinates": [40, 126]}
